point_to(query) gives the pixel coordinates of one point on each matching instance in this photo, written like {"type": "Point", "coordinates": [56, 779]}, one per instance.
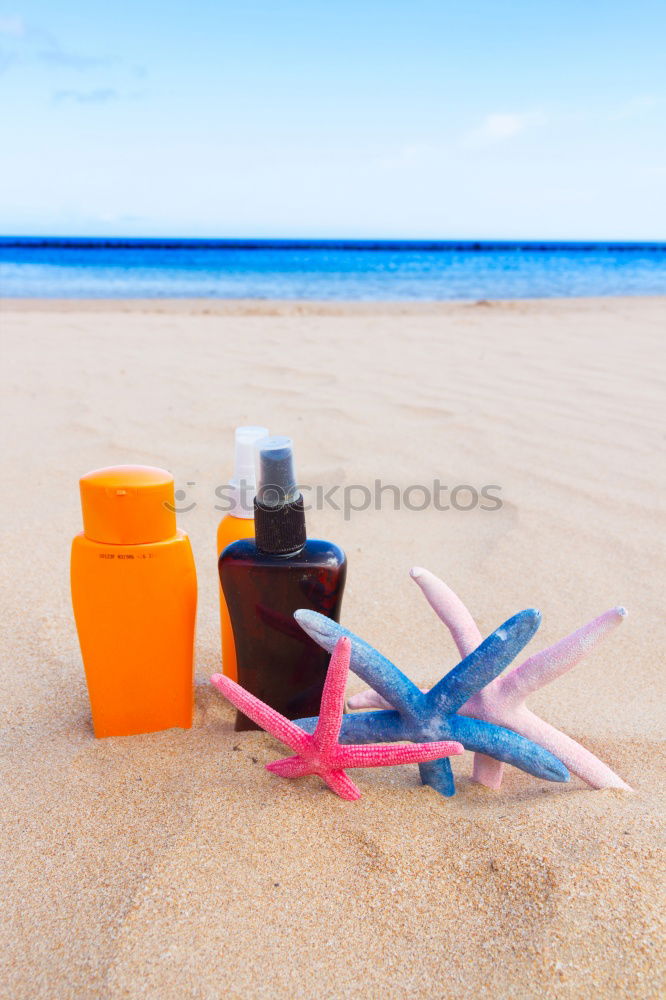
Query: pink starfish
{"type": "Point", "coordinates": [321, 753]}
{"type": "Point", "coordinates": [502, 702]}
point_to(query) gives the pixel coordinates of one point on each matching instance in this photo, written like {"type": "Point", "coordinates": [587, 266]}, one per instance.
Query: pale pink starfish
{"type": "Point", "coordinates": [502, 702]}
{"type": "Point", "coordinates": [321, 753]}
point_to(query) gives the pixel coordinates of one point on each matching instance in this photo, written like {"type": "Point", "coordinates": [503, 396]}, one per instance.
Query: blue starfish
{"type": "Point", "coordinates": [423, 717]}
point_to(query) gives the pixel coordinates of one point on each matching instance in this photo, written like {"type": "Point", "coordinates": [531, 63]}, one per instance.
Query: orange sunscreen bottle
{"type": "Point", "coordinates": [237, 524]}
{"type": "Point", "coordinates": [134, 592]}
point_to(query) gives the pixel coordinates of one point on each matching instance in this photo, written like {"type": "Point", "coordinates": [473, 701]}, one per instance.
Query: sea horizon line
{"type": "Point", "coordinates": [241, 243]}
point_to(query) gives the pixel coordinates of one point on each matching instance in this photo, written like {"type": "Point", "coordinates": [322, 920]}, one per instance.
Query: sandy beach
{"type": "Point", "coordinates": [174, 865]}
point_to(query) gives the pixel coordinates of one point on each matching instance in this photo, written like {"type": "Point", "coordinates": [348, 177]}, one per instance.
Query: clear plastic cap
{"type": "Point", "coordinates": [276, 479]}
{"type": "Point", "coordinates": [243, 482]}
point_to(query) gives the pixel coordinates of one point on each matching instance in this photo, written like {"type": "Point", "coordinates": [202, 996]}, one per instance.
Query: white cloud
{"type": "Point", "coordinates": [29, 44]}
{"type": "Point", "coordinates": [499, 127]}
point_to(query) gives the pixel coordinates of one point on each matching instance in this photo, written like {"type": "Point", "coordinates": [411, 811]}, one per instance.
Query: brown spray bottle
{"type": "Point", "coordinates": [267, 578]}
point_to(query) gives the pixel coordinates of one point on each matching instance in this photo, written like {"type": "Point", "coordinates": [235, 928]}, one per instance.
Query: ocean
{"type": "Point", "coordinates": [326, 269]}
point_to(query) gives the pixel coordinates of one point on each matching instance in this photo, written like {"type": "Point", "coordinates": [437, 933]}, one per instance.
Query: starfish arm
{"type": "Point", "coordinates": [550, 663]}
{"type": "Point", "coordinates": [366, 727]}
{"type": "Point", "coordinates": [487, 771]}
{"type": "Point", "coordinates": [580, 761]}
{"type": "Point", "coordinates": [265, 716]}
{"type": "Point", "coordinates": [438, 774]}
{"type": "Point", "coordinates": [450, 609]}
{"type": "Point", "coordinates": [290, 767]}
{"type": "Point", "coordinates": [383, 755]}
{"type": "Point", "coordinates": [365, 661]}
{"type": "Point", "coordinates": [342, 785]}
{"type": "Point", "coordinates": [466, 635]}
{"type": "Point", "coordinates": [333, 696]}
{"type": "Point", "coordinates": [484, 663]}
{"type": "Point", "coordinates": [373, 727]}
{"type": "Point", "coordinates": [370, 699]}
{"type": "Point", "coordinates": [507, 746]}
{"type": "Point", "coordinates": [308, 725]}
{"type": "Point", "coordinates": [367, 699]}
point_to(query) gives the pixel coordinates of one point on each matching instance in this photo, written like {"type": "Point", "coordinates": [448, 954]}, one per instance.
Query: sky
{"type": "Point", "coordinates": [422, 119]}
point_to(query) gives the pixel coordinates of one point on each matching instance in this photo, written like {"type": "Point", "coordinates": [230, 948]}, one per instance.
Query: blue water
{"type": "Point", "coordinates": [292, 269]}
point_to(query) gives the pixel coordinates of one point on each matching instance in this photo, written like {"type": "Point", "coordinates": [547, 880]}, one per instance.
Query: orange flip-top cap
{"type": "Point", "coordinates": [128, 505]}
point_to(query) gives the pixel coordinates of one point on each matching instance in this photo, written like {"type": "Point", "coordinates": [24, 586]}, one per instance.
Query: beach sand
{"type": "Point", "coordinates": [174, 865]}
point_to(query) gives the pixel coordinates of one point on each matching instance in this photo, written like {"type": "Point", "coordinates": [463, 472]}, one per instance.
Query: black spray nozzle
{"type": "Point", "coordinates": [276, 480]}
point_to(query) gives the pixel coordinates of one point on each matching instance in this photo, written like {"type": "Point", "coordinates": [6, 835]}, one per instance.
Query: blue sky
{"type": "Point", "coordinates": [421, 119]}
